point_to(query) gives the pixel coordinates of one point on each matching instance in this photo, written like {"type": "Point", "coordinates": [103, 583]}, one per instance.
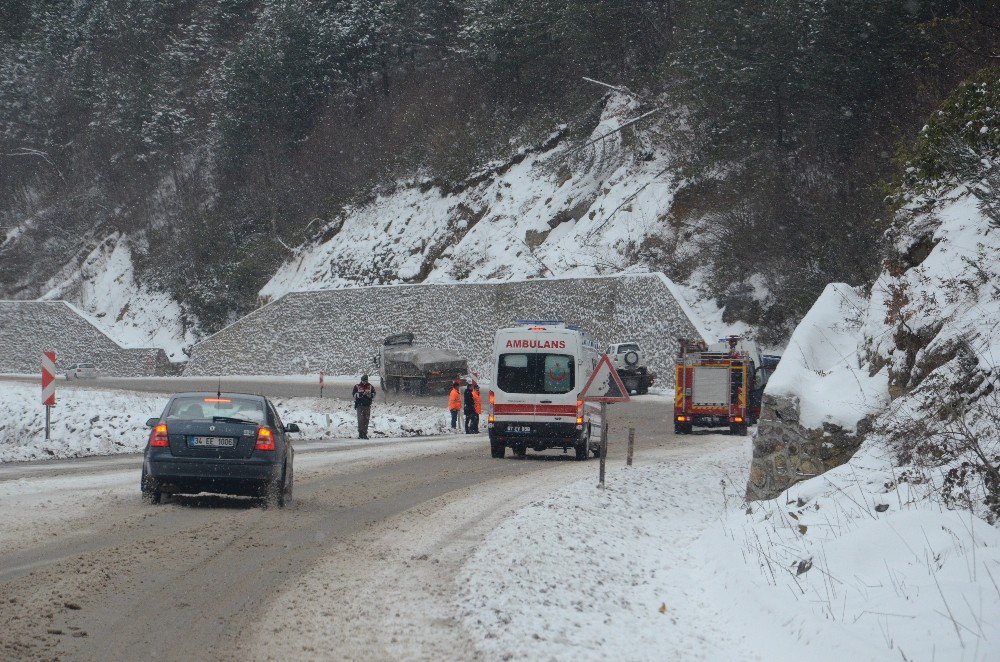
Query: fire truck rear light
{"type": "Point", "coordinates": [681, 419]}
{"type": "Point", "coordinates": [737, 419]}
{"type": "Point", "coordinates": [159, 438]}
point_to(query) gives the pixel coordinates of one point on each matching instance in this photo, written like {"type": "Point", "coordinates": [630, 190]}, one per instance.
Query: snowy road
{"type": "Point", "coordinates": [362, 566]}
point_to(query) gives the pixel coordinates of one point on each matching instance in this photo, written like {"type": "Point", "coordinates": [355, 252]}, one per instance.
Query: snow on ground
{"type": "Point", "coordinates": [668, 562]}
{"type": "Point", "coordinates": [99, 422]}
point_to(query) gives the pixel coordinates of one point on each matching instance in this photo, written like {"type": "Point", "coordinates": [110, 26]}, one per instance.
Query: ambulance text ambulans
{"type": "Point", "coordinates": [539, 369]}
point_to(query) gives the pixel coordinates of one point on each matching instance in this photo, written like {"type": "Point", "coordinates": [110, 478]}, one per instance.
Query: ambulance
{"type": "Point", "coordinates": [539, 368]}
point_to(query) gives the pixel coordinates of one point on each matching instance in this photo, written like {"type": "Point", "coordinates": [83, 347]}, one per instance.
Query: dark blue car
{"type": "Point", "coordinates": [225, 443]}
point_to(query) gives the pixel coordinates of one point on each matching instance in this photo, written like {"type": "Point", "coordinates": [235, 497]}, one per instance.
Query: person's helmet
{"type": "Point", "coordinates": [364, 379]}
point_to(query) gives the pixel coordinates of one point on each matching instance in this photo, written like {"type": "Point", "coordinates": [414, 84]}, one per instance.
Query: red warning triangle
{"type": "Point", "coordinates": [604, 384]}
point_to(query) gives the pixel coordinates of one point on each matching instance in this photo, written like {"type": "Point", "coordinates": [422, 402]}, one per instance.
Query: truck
{"type": "Point", "coordinates": [418, 369]}
{"type": "Point", "coordinates": [720, 385]}
{"type": "Point", "coordinates": [627, 360]}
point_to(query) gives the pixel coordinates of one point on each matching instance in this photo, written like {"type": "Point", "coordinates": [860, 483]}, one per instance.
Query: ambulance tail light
{"type": "Point", "coordinates": [579, 414]}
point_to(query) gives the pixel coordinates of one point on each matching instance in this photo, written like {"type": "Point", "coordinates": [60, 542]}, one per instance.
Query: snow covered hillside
{"type": "Point", "coordinates": [131, 312]}
{"type": "Point", "coordinates": [567, 209]}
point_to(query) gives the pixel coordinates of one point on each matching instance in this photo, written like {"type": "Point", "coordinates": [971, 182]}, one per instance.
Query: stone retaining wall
{"type": "Point", "coordinates": [28, 328]}
{"type": "Point", "coordinates": [785, 452]}
{"type": "Point", "coordinates": [339, 331]}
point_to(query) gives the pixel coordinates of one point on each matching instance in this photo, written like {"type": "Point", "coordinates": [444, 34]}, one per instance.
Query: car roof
{"type": "Point", "coordinates": [215, 394]}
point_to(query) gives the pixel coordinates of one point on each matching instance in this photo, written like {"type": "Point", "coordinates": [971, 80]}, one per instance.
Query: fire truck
{"type": "Point", "coordinates": [719, 385]}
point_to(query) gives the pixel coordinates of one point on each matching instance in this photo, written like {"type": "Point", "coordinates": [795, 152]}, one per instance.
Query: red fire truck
{"type": "Point", "coordinates": [719, 385]}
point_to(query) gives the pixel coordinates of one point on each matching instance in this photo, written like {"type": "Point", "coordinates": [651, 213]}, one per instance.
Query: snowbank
{"type": "Point", "coordinates": [96, 422]}
{"type": "Point", "coordinates": [670, 563]}
{"type": "Point", "coordinates": [821, 366]}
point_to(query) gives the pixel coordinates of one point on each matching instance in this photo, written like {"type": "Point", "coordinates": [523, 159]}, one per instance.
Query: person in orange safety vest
{"type": "Point", "coordinates": [455, 403]}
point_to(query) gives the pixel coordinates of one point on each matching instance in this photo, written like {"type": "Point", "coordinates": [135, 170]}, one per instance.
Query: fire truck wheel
{"type": "Point", "coordinates": [519, 450]}
{"type": "Point", "coordinates": [738, 429]}
{"type": "Point", "coordinates": [683, 428]}
{"type": "Point", "coordinates": [497, 449]}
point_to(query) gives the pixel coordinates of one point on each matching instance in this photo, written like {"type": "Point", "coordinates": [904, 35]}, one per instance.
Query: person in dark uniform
{"type": "Point", "coordinates": [472, 407]}
{"type": "Point", "coordinates": [364, 395]}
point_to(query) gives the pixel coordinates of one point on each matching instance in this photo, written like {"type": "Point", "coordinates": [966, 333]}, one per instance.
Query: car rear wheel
{"type": "Point", "coordinates": [519, 451]}
{"type": "Point", "coordinates": [278, 493]}
{"type": "Point", "coordinates": [150, 487]}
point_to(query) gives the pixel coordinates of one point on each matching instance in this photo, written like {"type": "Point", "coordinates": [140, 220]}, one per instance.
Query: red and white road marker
{"type": "Point", "coordinates": [48, 386]}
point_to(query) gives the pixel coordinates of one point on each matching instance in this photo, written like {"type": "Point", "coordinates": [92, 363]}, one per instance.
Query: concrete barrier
{"type": "Point", "coordinates": [27, 328]}
{"type": "Point", "coordinates": [339, 331]}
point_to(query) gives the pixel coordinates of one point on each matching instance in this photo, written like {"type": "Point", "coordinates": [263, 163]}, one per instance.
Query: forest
{"type": "Point", "coordinates": [216, 133]}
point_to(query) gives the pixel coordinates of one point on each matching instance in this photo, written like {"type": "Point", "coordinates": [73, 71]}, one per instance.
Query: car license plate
{"type": "Point", "coordinates": [213, 442]}
{"type": "Point", "coordinates": [520, 429]}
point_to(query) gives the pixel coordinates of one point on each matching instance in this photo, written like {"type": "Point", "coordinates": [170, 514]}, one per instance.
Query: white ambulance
{"type": "Point", "coordinates": [539, 369]}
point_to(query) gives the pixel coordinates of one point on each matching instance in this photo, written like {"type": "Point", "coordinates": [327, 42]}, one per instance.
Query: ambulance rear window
{"type": "Point", "coordinates": [535, 373]}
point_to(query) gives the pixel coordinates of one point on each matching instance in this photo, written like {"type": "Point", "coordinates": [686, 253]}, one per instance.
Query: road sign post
{"type": "Point", "coordinates": [605, 387]}
{"type": "Point", "coordinates": [631, 446]}
{"type": "Point", "coordinates": [320, 383]}
{"type": "Point", "coordinates": [48, 387]}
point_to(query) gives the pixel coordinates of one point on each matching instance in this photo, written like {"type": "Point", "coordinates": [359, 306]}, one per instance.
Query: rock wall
{"type": "Point", "coordinates": [339, 331]}
{"type": "Point", "coordinates": [785, 451]}
{"type": "Point", "coordinates": [28, 328]}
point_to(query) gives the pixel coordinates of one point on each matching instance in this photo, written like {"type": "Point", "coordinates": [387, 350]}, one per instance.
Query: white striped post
{"type": "Point", "coordinates": [48, 387]}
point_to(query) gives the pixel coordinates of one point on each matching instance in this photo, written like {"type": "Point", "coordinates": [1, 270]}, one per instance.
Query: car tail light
{"type": "Point", "coordinates": [265, 440]}
{"type": "Point", "coordinates": [158, 438]}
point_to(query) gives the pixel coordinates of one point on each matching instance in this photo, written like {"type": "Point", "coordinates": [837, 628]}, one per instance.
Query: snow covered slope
{"type": "Point", "coordinates": [565, 210]}
{"type": "Point", "coordinates": [132, 313]}
{"type": "Point", "coordinates": [913, 367]}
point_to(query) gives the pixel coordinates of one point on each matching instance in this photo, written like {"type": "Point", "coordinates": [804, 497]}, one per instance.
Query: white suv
{"type": "Point", "coordinates": [81, 371]}
{"type": "Point", "coordinates": [625, 356]}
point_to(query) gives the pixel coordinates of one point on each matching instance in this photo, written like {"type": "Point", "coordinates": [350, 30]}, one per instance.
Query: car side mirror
{"type": "Point", "coordinates": [151, 423]}
{"type": "Point", "coordinates": [292, 427]}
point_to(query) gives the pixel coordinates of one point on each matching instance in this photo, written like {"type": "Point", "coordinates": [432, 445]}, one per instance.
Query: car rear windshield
{"type": "Point", "coordinates": [628, 347]}
{"type": "Point", "coordinates": [535, 373]}
{"type": "Point", "coordinates": [209, 408]}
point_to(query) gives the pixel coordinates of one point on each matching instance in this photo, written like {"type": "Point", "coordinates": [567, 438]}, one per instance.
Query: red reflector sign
{"type": "Point", "coordinates": [48, 378]}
